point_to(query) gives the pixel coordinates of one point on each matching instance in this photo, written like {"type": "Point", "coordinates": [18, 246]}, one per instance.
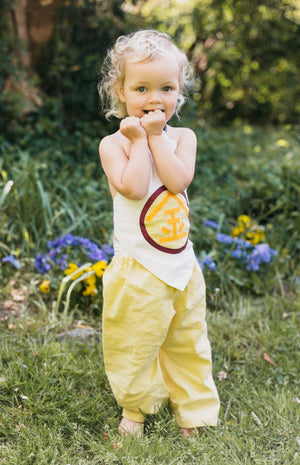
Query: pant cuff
{"type": "Point", "coordinates": [134, 415]}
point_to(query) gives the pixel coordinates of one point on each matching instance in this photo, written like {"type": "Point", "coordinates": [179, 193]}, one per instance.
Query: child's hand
{"type": "Point", "coordinates": [131, 128]}
{"type": "Point", "coordinates": [154, 122]}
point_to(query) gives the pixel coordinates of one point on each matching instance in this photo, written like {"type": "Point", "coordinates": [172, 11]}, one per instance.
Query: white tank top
{"type": "Point", "coordinates": [155, 231]}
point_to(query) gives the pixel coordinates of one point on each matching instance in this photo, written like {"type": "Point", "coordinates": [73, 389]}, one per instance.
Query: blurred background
{"type": "Point", "coordinates": [245, 56]}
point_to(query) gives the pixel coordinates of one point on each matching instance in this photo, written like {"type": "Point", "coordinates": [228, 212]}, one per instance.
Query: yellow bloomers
{"type": "Point", "coordinates": [155, 345]}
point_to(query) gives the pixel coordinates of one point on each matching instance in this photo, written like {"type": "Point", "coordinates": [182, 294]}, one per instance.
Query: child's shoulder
{"type": "Point", "coordinates": [180, 133]}
{"type": "Point", "coordinates": [111, 142]}
{"type": "Point", "coordinates": [114, 138]}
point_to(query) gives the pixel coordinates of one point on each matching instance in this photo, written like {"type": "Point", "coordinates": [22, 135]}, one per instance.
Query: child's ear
{"type": "Point", "coordinates": [121, 94]}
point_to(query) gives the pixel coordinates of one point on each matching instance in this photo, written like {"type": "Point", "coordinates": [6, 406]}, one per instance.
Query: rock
{"type": "Point", "coordinates": [81, 335]}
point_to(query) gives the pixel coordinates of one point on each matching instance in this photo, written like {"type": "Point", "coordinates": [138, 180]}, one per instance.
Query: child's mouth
{"type": "Point", "coordinates": [147, 111]}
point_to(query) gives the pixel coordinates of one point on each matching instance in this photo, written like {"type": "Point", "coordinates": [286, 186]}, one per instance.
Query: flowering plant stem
{"type": "Point", "coordinates": [64, 281]}
{"type": "Point", "coordinates": [68, 296]}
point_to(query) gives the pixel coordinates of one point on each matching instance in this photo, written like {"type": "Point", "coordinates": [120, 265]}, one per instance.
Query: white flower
{"type": "Point", "coordinates": [222, 375]}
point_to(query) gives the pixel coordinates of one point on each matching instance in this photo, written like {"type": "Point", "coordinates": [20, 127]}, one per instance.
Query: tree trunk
{"type": "Point", "coordinates": [32, 23]}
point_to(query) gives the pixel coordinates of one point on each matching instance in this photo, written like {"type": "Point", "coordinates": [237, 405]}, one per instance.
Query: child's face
{"type": "Point", "coordinates": [150, 86]}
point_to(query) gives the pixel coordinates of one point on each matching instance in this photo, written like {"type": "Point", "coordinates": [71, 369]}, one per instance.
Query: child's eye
{"type": "Point", "coordinates": [141, 89]}
{"type": "Point", "coordinates": [167, 88]}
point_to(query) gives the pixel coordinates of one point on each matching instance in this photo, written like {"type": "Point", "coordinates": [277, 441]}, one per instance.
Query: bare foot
{"type": "Point", "coordinates": [188, 432]}
{"type": "Point", "coordinates": [131, 428]}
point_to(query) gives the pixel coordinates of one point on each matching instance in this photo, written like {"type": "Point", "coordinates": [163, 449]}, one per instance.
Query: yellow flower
{"type": "Point", "coordinates": [244, 221]}
{"type": "Point", "coordinates": [45, 286]}
{"type": "Point", "coordinates": [89, 290]}
{"type": "Point", "coordinates": [237, 231]}
{"type": "Point", "coordinates": [90, 280]}
{"type": "Point", "coordinates": [283, 143]}
{"type": "Point", "coordinates": [256, 234]}
{"type": "Point", "coordinates": [73, 267]}
{"type": "Point", "coordinates": [90, 285]}
{"type": "Point", "coordinates": [249, 230]}
{"type": "Point", "coordinates": [99, 268]}
{"type": "Point", "coordinates": [247, 130]}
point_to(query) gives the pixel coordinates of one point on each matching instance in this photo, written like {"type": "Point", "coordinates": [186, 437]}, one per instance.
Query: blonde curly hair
{"type": "Point", "coordinates": [140, 46]}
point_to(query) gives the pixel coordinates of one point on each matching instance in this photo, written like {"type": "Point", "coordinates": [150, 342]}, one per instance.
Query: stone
{"type": "Point", "coordinates": [81, 335]}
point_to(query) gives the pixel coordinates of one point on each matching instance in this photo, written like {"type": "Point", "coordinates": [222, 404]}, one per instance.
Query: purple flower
{"type": "Point", "coordinates": [58, 246]}
{"type": "Point", "coordinates": [89, 245]}
{"type": "Point", "coordinates": [224, 239]}
{"type": "Point", "coordinates": [265, 252]}
{"type": "Point", "coordinates": [11, 259]}
{"type": "Point", "coordinates": [108, 249]}
{"type": "Point", "coordinates": [237, 253]}
{"type": "Point", "coordinates": [261, 253]}
{"type": "Point", "coordinates": [41, 263]}
{"type": "Point", "coordinates": [98, 255]}
{"type": "Point", "coordinates": [52, 255]}
{"type": "Point", "coordinates": [64, 241]}
{"type": "Point", "coordinates": [253, 262]}
{"type": "Point", "coordinates": [55, 244]}
{"type": "Point", "coordinates": [242, 244]}
{"type": "Point", "coordinates": [211, 224]}
{"type": "Point", "coordinates": [209, 263]}
{"type": "Point", "coordinates": [240, 252]}
{"type": "Point", "coordinates": [68, 239]}
{"type": "Point", "coordinates": [62, 261]}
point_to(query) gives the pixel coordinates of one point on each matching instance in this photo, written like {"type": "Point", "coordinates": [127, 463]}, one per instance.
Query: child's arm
{"type": "Point", "coordinates": [128, 172]}
{"type": "Point", "coordinates": [176, 170]}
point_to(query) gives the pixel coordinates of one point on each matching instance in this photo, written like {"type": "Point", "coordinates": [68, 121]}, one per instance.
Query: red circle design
{"type": "Point", "coordinates": [144, 229]}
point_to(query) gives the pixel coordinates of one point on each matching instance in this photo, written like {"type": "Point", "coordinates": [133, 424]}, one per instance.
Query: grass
{"type": "Point", "coordinates": [57, 406]}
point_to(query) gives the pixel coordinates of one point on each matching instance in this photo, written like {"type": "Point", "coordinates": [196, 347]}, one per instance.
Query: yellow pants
{"type": "Point", "coordinates": [155, 345]}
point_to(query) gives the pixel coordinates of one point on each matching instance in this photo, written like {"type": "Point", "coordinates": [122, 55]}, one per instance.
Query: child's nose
{"type": "Point", "coordinates": [155, 97]}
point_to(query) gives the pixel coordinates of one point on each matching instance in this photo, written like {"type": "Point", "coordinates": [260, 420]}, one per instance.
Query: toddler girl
{"type": "Point", "coordinates": [154, 331]}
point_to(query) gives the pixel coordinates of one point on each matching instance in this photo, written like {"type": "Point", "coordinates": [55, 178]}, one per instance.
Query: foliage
{"type": "Point", "coordinates": [7, 46]}
{"type": "Point", "coordinates": [245, 55]}
{"type": "Point", "coordinates": [65, 68]}
{"type": "Point", "coordinates": [10, 65]}
{"type": "Point", "coordinates": [69, 64]}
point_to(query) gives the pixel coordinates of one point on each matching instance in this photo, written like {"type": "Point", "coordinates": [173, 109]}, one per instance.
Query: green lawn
{"type": "Point", "coordinates": [57, 407]}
